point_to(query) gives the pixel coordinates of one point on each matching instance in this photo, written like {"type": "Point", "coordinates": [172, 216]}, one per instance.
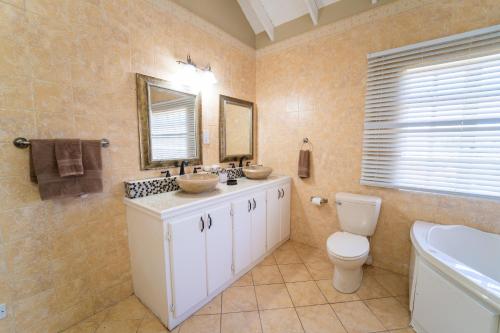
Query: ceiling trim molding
{"type": "Point", "coordinates": [343, 25]}
{"type": "Point", "coordinates": [313, 9]}
{"type": "Point", "coordinates": [193, 19]}
{"type": "Point", "coordinates": [256, 9]}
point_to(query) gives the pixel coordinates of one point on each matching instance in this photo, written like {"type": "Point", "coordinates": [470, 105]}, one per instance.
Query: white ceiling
{"type": "Point", "coordinates": [265, 15]}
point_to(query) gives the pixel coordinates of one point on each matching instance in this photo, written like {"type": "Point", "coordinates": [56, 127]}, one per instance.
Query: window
{"type": "Point", "coordinates": [432, 116]}
{"type": "Point", "coordinates": [173, 125]}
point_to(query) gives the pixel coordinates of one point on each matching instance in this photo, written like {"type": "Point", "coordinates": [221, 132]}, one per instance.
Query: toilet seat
{"type": "Point", "coordinates": [347, 246]}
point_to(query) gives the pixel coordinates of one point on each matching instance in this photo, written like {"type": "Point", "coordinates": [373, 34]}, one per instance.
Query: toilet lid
{"type": "Point", "coordinates": [347, 245]}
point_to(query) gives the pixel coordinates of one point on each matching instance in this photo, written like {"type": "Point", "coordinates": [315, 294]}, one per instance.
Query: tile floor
{"type": "Point", "coordinates": [290, 291]}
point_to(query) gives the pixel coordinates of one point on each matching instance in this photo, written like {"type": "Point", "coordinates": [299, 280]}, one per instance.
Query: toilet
{"type": "Point", "coordinates": [348, 249]}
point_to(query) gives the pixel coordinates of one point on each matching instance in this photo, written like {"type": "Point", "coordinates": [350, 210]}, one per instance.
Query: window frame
{"type": "Point", "coordinates": [379, 170]}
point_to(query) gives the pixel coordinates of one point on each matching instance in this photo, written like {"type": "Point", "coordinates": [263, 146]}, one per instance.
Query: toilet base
{"type": "Point", "coordinates": [347, 281]}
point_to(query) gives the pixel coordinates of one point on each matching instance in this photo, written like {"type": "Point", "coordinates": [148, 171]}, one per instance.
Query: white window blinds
{"type": "Point", "coordinates": [173, 126]}
{"type": "Point", "coordinates": [432, 116]}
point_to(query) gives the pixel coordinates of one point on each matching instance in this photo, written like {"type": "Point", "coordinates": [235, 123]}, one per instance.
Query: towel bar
{"type": "Point", "coordinates": [23, 143]}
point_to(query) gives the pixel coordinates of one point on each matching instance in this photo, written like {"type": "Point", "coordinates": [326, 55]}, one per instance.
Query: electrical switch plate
{"type": "Point", "coordinates": [3, 311]}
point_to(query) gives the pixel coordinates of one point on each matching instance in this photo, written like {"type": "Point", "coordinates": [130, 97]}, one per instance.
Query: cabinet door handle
{"type": "Point", "coordinates": [209, 221]}
{"type": "Point", "coordinates": [254, 203]}
{"type": "Point", "coordinates": [279, 194]}
{"type": "Point", "coordinates": [202, 224]}
{"type": "Point", "coordinates": [282, 193]}
{"type": "Point", "coordinates": [249, 206]}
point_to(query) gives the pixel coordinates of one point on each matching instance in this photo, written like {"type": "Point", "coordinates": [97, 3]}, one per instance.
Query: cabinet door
{"type": "Point", "coordinates": [273, 216]}
{"type": "Point", "coordinates": [188, 262]}
{"type": "Point", "coordinates": [219, 246]}
{"type": "Point", "coordinates": [258, 225]}
{"type": "Point", "coordinates": [242, 227]}
{"type": "Point", "coordinates": [285, 212]}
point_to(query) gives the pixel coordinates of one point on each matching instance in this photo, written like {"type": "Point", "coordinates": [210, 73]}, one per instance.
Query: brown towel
{"type": "Point", "coordinates": [44, 170]}
{"type": "Point", "coordinates": [91, 181]}
{"type": "Point", "coordinates": [304, 156]}
{"type": "Point", "coordinates": [69, 157]}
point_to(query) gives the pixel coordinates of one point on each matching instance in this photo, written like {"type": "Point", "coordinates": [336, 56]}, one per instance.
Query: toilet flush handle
{"type": "Point", "coordinates": [338, 203]}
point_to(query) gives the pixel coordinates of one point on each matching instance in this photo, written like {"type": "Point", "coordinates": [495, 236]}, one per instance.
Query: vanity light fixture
{"type": "Point", "coordinates": [205, 73]}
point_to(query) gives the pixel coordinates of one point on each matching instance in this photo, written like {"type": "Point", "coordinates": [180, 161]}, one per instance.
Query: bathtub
{"type": "Point", "coordinates": [454, 279]}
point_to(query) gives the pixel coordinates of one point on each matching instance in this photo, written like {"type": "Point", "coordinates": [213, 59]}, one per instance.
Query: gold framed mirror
{"type": "Point", "coordinates": [236, 127]}
{"type": "Point", "coordinates": [169, 123]}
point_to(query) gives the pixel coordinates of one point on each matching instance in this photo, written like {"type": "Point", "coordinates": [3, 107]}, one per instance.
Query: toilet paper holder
{"type": "Point", "coordinates": [322, 200]}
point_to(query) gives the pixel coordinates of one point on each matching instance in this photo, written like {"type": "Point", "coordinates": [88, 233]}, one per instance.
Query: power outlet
{"type": "Point", "coordinates": [3, 311]}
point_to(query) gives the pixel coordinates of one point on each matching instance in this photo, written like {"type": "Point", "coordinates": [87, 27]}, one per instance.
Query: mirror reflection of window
{"type": "Point", "coordinates": [238, 129]}
{"type": "Point", "coordinates": [173, 124]}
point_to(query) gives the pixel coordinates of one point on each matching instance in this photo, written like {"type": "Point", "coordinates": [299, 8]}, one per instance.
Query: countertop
{"type": "Point", "coordinates": [169, 202]}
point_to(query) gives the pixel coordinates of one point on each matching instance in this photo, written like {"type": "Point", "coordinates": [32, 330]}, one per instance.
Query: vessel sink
{"type": "Point", "coordinates": [257, 171]}
{"type": "Point", "coordinates": [197, 182]}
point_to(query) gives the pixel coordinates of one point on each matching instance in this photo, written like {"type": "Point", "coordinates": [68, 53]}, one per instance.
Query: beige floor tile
{"type": "Point", "coordinates": [241, 322]}
{"type": "Point", "coordinates": [295, 273]}
{"type": "Point", "coordinates": [403, 330]}
{"type": "Point", "coordinates": [269, 260]}
{"type": "Point", "coordinates": [151, 324]}
{"type": "Point", "coordinates": [266, 275]}
{"type": "Point", "coordinates": [370, 288]}
{"type": "Point", "coordinates": [356, 317]}
{"type": "Point", "coordinates": [273, 296]}
{"type": "Point", "coordinates": [305, 293]}
{"type": "Point", "coordinates": [236, 299]}
{"type": "Point", "coordinates": [287, 256]}
{"type": "Point", "coordinates": [201, 324]}
{"type": "Point", "coordinates": [213, 307]}
{"type": "Point", "coordinates": [245, 280]}
{"type": "Point", "coordinates": [131, 308]}
{"type": "Point", "coordinates": [319, 319]}
{"type": "Point", "coordinates": [404, 300]}
{"type": "Point", "coordinates": [83, 327]}
{"type": "Point", "coordinates": [288, 245]}
{"type": "Point", "coordinates": [311, 254]}
{"type": "Point", "coordinates": [390, 312]}
{"type": "Point", "coordinates": [280, 321]}
{"type": "Point", "coordinates": [396, 284]}
{"type": "Point", "coordinates": [332, 294]}
{"type": "Point", "coordinates": [122, 326]}
{"type": "Point", "coordinates": [320, 270]}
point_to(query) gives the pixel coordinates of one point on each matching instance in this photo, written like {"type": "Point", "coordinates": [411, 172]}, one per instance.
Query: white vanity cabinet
{"type": "Point", "coordinates": [249, 230]}
{"type": "Point", "coordinates": [278, 214]}
{"type": "Point", "coordinates": [187, 248]}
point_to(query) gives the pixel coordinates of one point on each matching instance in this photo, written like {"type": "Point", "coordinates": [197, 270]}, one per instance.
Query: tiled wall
{"type": "Point", "coordinates": [67, 70]}
{"type": "Point", "coordinates": [313, 86]}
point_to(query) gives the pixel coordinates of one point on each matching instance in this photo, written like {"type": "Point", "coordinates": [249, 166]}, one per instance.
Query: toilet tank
{"type": "Point", "coordinates": [358, 214]}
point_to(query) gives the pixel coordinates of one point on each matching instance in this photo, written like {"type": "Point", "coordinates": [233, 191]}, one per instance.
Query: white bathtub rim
{"type": "Point", "coordinates": [487, 289]}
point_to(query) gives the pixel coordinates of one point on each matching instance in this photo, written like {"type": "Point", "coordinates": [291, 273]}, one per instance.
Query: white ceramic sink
{"type": "Point", "coordinates": [197, 182]}
{"type": "Point", "coordinates": [257, 171]}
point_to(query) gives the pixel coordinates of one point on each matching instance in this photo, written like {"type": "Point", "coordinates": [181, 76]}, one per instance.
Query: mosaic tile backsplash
{"type": "Point", "coordinates": [143, 188]}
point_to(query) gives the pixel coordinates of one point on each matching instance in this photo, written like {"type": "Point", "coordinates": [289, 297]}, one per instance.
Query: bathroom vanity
{"type": "Point", "coordinates": [187, 248]}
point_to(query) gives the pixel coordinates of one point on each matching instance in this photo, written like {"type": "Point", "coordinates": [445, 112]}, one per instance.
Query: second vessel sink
{"type": "Point", "coordinates": [197, 182]}
{"type": "Point", "coordinates": [257, 171]}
